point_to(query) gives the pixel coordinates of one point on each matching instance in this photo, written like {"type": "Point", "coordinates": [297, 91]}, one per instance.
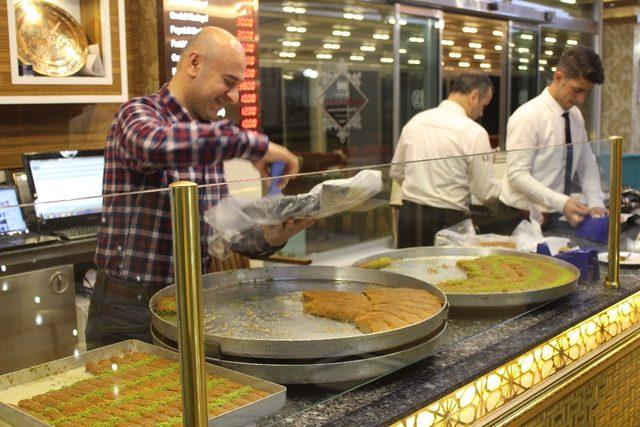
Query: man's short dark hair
{"type": "Point", "coordinates": [581, 62]}
{"type": "Point", "coordinates": [466, 82]}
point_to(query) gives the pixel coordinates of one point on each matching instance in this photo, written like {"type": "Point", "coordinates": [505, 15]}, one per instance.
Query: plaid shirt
{"type": "Point", "coordinates": [153, 142]}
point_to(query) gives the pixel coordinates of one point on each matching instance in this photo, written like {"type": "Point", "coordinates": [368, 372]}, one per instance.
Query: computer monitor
{"type": "Point", "coordinates": [11, 220]}
{"type": "Point", "coordinates": [72, 176]}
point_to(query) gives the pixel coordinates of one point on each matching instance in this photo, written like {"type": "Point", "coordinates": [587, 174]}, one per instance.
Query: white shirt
{"type": "Point", "coordinates": [536, 174]}
{"type": "Point", "coordinates": [444, 131]}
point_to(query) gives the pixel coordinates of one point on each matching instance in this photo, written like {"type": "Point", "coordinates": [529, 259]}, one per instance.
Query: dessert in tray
{"type": "Point", "coordinates": [507, 273]}
{"type": "Point", "coordinates": [375, 309]}
{"type": "Point", "coordinates": [135, 389]}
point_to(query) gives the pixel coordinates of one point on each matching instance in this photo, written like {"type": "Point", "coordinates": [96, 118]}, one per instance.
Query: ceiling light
{"type": "Point", "coordinates": [572, 42]}
{"type": "Point", "coordinates": [469, 30]}
{"type": "Point", "coordinates": [366, 48]}
{"type": "Point", "coordinates": [524, 60]}
{"type": "Point", "coordinates": [331, 46]}
{"type": "Point", "coordinates": [354, 16]}
{"type": "Point", "coordinates": [548, 52]}
{"type": "Point", "coordinates": [568, 1]}
{"type": "Point", "coordinates": [464, 64]}
{"type": "Point", "coordinates": [416, 39]}
{"type": "Point", "coordinates": [541, 68]}
{"type": "Point", "coordinates": [341, 33]}
{"type": "Point", "coordinates": [386, 60]}
{"type": "Point", "coordinates": [523, 67]}
{"type": "Point", "coordinates": [413, 62]}
{"type": "Point", "coordinates": [497, 47]}
{"type": "Point", "coordinates": [498, 33]}
{"type": "Point", "coordinates": [455, 55]}
{"type": "Point", "coordinates": [310, 73]}
{"type": "Point", "coordinates": [356, 58]}
{"type": "Point", "coordinates": [294, 29]}
{"type": "Point", "coordinates": [526, 36]}
{"type": "Point", "coordinates": [523, 50]}
{"type": "Point", "coordinates": [291, 9]}
{"type": "Point", "coordinates": [542, 61]}
{"type": "Point", "coordinates": [291, 43]}
{"type": "Point", "coordinates": [485, 65]}
{"type": "Point", "coordinates": [378, 36]}
{"type": "Point", "coordinates": [478, 56]}
{"type": "Point", "coordinates": [324, 56]}
{"type": "Point", "coordinates": [287, 55]}
{"type": "Point", "coordinates": [402, 50]}
{"type": "Point", "coordinates": [447, 42]}
{"type": "Point", "coordinates": [554, 69]}
{"type": "Point", "coordinates": [550, 39]}
{"type": "Point", "coordinates": [474, 45]}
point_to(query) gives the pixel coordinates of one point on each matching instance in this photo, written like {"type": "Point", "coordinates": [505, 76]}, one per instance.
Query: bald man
{"type": "Point", "coordinates": [158, 139]}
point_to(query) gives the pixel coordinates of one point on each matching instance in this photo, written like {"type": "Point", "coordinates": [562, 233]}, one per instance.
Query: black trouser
{"type": "Point", "coordinates": [119, 311]}
{"type": "Point", "coordinates": [418, 224]}
{"type": "Point", "coordinates": [507, 219]}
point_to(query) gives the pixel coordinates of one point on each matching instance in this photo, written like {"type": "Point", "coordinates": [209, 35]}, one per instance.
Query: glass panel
{"type": "Point", "coordinates": [523, 48]}
{"type": "Point", "coordinates": [419, 65]}
{"type": "Point", "coordinates": [327, 81]}
{"type": "Point", "coordinates": [477, 44]}
{"type": "Point", "coordinates": [553, 43]}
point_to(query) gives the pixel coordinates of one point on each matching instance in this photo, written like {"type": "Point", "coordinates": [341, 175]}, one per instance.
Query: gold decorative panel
{"type": "Point", "coordinates": [475, 400]}
{"type": "Point", "coordinates": [611, 398]}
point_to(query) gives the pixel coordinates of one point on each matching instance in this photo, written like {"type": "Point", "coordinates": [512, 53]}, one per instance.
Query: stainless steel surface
{"type": "Point", "coordinates": [238, 417]}
{"type": "Point", "coordinates": [323, 372]}
{"type": "Point", "coordinates": [436, 264]}
{"type": "Point", "coordinates": [615, 193]}
{"type": "Point", "coordinates": [185, 223]}
{"type": "Point", "coordinates": [258, 313]}
{"type": "Point", "coordinates": [37, 320]}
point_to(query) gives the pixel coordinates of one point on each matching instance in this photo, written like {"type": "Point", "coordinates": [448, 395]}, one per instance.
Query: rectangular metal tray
{"type": "Point", "coordinates": [41, 373]}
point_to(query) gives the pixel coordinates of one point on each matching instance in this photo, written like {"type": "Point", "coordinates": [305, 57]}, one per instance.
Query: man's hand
{"type": "Point", "coordinates": [277, 153]}
{"type": "Point", "coordinates": [598, 212]}
{"type": "Point", "coordinates": [277, 235]}
{"type": "Point", "coordinates": [574, 212]}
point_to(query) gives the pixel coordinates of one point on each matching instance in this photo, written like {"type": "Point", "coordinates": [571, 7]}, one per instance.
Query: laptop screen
{"type": "Point", "coordinates": [64, 176]}
{"type": "Point", "coordinates": [11, 220]}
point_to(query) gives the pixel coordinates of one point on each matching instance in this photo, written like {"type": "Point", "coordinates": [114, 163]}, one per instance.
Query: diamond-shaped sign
{"type": "Point", "coordinates": [342, 101]}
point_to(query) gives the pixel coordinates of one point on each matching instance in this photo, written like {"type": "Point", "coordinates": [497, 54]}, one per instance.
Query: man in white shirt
{"type": "Point", "coordinates": [436, 194]}
{"type": "Point", "coordinates": [541, 172]}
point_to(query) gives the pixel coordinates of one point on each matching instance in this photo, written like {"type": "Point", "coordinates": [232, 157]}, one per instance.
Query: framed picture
{"type": "Point", "coordinates": [64, 51]}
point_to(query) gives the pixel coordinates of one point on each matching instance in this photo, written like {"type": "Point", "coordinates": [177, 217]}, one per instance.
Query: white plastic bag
{"type": "Point", "coordinates": [231, 216]}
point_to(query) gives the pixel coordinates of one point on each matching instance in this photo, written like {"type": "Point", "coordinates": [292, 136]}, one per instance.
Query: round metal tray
{"type": "Point", "coordinates": [325, 372]}
{"type": "Point", "coordinates": [258, 313]}
{"type": "Point", "coordinates": [436, 264]}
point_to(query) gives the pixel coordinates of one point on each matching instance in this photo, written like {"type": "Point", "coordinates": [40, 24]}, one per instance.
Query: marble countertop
{"type": "Point", "coordinates": [473, 345]}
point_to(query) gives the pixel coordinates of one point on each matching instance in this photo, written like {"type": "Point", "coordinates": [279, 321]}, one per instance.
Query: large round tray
{"type": "Point", "coordinates": [425, 263]}
{"type": "Point", "coordinates": [324, 371]}
{"type": "Point", "coordinates": [258, 313]}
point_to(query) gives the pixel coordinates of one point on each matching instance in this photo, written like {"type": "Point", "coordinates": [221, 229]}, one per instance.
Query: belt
{"type": "Point", "coordinates": [125, 288]}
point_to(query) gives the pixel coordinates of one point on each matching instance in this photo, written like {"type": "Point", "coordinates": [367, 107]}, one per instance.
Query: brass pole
{"type": "Point", "coordinates": [185, 220]}
{"type": "Point", "coordinates": [615, 193]}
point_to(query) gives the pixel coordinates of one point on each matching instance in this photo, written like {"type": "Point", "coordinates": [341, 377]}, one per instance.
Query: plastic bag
{"type": "Point", "coordinates": [525, 237]}
{"type": "Point", "coordinates": [231, 216]}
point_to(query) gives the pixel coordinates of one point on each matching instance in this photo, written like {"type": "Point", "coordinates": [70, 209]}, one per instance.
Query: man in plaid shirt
{"type": "Point", "coordinates": [156, 140]}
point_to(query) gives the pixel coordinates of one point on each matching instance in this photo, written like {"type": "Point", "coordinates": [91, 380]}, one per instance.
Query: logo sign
{"type": "Point", "coordinates": [342, 100]}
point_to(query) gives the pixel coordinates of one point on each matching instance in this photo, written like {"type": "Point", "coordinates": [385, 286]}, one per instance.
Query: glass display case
{"type": "Point", "coordinates": [358, 330]}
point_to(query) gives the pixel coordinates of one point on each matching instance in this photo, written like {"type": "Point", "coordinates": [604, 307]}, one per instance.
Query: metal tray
{"type": "Point", "coordinates": [61, 370]}
{"type": "Point", "coordinates": [258, 313]}
{"type": "Point", "coordinates": [417, 262]}
{"type": "Point", "coordinates": [325, 372]}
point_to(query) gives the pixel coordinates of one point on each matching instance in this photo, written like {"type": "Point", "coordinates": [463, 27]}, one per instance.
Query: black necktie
{"type": "Point", "coordinates": [569, 162]}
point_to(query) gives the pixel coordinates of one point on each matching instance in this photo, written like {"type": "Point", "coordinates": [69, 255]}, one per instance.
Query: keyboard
{"type": "Point", "coordinates": [79, 232]}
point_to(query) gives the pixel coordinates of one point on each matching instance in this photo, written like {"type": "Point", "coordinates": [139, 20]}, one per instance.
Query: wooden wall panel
{"type": "Point", "coordinates": [53, 127]}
